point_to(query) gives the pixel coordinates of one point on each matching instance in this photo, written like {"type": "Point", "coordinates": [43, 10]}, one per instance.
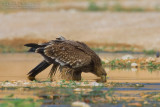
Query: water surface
{"type": "Point", "coordinates": [129, 83]}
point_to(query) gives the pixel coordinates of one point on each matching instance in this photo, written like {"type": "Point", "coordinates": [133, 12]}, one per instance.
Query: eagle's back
{"type": "Point", "coordinates": [68, 53]}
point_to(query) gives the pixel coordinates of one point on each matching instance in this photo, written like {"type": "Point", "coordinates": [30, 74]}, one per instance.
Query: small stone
{"type": "Point", "coordinates": [146, 102]}
{"type": "Point", "coordinates": [125, 57]}
{"type": "Point", "coordinates": [135, 104]}
{"type": "Point", "coordinates": [134, 65]}
{"type": "Point", "coordinates": [77, 89]}
{"type": "Point", "coordinates": [80, 104]}
{"type": "Point", "coordinates": [139, 85]}
{"type": "Point", "coordinates": [26, 83]}
{"type": "Point", "coordinates": [105, 60]}
{"type": "Point", "coordinates": [96, 84]}
{"type": "Point", "coordinates": [150, 59]}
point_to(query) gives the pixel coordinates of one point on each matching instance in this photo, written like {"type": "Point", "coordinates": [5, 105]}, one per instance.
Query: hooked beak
{"type": "Point", "coordinates": [103, 78]}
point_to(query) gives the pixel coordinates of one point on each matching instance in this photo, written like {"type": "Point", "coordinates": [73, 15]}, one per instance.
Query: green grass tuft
{"type": "Point", "coordinates": [149, 52]}
{"type": "Point", "coordinates": [94, 7]}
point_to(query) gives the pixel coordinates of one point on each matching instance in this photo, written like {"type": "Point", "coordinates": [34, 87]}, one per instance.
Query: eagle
{"type": "Point", "coordinates": [70, 57]}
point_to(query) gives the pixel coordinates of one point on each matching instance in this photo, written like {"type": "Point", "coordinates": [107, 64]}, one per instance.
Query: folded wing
{"type": "Point", "coordinates": [67, 54]}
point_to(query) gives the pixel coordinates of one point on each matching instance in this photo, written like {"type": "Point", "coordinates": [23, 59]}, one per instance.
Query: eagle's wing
{"type": "Point", "coordinates": [67, 54]}
{"type": "Point", "coordinates": [83, 47]}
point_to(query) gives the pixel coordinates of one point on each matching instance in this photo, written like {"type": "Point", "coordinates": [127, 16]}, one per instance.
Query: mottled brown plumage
{"type": "Point", "coordinates": [72, 58]}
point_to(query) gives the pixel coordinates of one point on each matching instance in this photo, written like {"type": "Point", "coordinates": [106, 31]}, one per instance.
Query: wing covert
{"type": "Point", "coordinates": [67, 54]}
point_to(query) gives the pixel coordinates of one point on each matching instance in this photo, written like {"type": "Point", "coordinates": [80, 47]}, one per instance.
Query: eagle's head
{"type": "Point", "coordinates": [100, 72]}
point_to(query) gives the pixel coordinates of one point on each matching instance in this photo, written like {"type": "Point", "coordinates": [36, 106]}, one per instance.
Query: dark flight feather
{"type": "Point", "coordinates": [40, 67]}
{"type": "Point", "coordinates": [32, 45]}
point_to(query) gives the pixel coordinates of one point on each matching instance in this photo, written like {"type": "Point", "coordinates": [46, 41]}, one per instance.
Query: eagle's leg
{"type": "Point", "coordinates": [77, 75]}
{"type": "Point", "coordinates": [53, 71]}
{"type": "Point", "coordinates": [70, 74]}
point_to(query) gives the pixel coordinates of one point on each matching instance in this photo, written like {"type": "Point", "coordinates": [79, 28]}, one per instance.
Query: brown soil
{"type": "Point", "coordinates": [18, 45]}
{"type": "Point", "coordinates": [140, 29]}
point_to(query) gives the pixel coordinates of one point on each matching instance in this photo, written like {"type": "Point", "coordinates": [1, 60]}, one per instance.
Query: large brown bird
{"type": "Point", "coordinates": [71, 57]}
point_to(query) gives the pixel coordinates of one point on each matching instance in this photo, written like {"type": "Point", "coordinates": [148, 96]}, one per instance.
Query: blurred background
{"type": "Point", "coordinates": [109, 25]}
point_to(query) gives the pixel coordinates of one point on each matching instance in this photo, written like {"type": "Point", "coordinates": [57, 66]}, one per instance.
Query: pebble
{"type": "Point", "coordinates": [150, 59]}
{"type": "Point", "coordinates": [92, 84]}
{"type": "Point", "coordinates": [80, 104]}
{"type": "Point", "coordinates": [146, 102]}
{"type": "Point", "coordinates": [135, 104]}
{"type": "Point", "coordinates": [26, 83]}
{"type": "Point", "coordinates": [83, 89]}
{"type": "Point", "coordinates": [139, 85]}
{"type": "Point", "coordinates": [96, 84]}
{"type": "Point", "coordinates": [77, 89]}
{"type": "Point", "coordinates": [105, 60]}
{"type": "Point", "coordinates": [135, 65]}
{"type": "Point", "coordinates": [125, 57]}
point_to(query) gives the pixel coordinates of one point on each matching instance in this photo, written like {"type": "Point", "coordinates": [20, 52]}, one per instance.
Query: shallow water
{"type": "Point", "coordinates": [16, 67]}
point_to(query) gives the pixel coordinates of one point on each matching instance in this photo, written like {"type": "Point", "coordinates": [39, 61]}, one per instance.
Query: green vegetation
{"type": "Point", "coordinates": [20, 103]}
{"type": "Point", "coordinates": [98, 49]}
{"type": "Point", "coordinates": [71, 91]}
{"type": "Point", "coordinates": [94, 7]}
{"type": "Point", "coordinates": [118, 8]}
{"type": "Point", "coordinates": [149, 52]}
{"type": "Point", "coordinates": [6, 49]}
{"type": "Point", "coordinates": [157, 7]}
{"type": "Point", "coordinates": [122, 64]}
{"type": "Point", "coordinates": [70, 95]}
{"type": "Point", "coordinates": [17, 45]}
{"type": "Point", "coordinates": [9, 101]}
{"type": "Point", "coordinates": [153, 66]}
{"type": "Point", "coordinates": [116, 63]}
{"type": "Point", "coordinates": [14, 6]}
{"type": "Point", "coordinates": [10, 49]}
{"type": "Point", "coordinates": [65, 93]}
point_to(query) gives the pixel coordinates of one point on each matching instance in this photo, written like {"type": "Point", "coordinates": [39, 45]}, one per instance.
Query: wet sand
{"type": "Point", "coordinates": [16, 67]}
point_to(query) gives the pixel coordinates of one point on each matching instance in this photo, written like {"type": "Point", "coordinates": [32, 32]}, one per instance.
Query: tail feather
{"type": "Point", "coordinates": [33, 46]}
{"type": "Point", "coordinates": [39, 68]}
